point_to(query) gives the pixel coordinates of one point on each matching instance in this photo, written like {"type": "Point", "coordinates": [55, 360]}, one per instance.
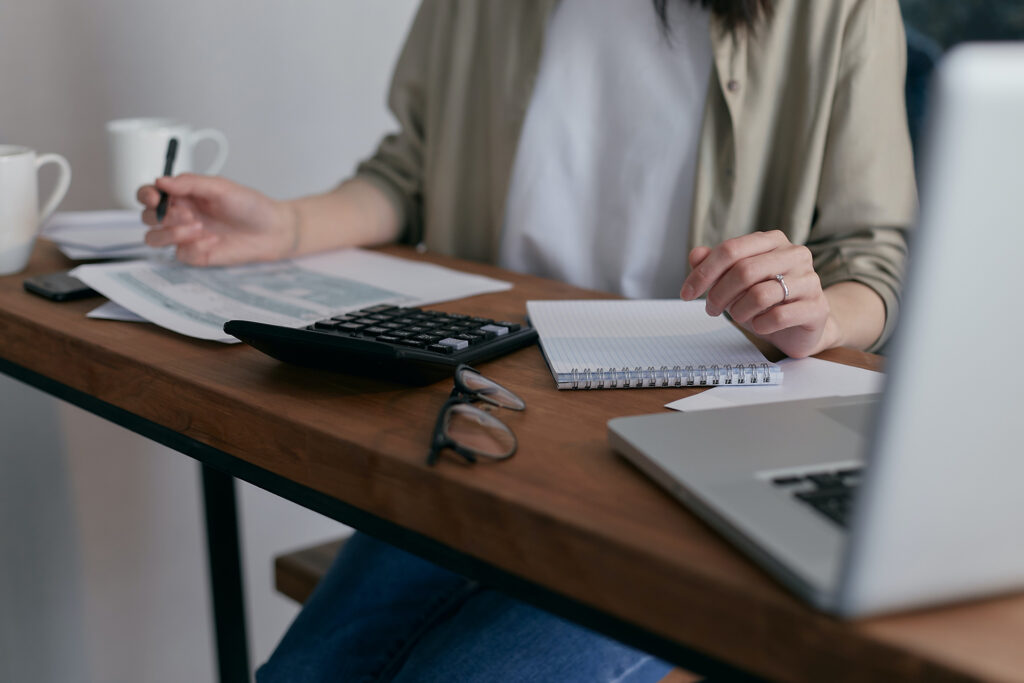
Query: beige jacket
{"type": "Point", "coordinates": [804, 130]}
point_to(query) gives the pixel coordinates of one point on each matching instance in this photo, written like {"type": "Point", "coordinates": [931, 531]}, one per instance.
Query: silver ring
{"type": "Point", "coordinates": [785, 289]}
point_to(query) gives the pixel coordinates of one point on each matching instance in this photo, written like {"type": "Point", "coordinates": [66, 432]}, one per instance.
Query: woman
{"type": "Point", "coordinates": [597, 141]}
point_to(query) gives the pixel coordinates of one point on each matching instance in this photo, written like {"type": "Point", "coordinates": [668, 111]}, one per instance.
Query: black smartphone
{"type": "Point", "coordinates": [58, 287]}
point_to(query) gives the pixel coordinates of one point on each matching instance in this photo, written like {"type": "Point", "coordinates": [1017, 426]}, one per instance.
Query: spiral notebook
{"type": "Point", "coordinates": [598, 344]}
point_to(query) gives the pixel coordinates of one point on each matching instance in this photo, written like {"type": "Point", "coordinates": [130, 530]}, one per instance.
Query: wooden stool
{"type": "Point", "coordinates": [296, 574]}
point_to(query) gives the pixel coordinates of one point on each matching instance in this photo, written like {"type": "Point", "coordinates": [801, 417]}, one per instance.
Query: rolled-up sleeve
{"type": "Point", "coordinates": [397, 165]}
{"type": "Point", "coordinates": [867, 197]}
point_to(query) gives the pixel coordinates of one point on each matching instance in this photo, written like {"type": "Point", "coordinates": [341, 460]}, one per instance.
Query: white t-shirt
{"type": "Point", "coordinates": [602, 183]}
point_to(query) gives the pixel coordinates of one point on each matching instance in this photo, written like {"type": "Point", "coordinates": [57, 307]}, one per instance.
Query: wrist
{"type": "Point", "coordinates": [856, 315]}
{"type": "Point", "coordinates": [832, 336]}
{"type": "Point", "coordinates": [290, 217]}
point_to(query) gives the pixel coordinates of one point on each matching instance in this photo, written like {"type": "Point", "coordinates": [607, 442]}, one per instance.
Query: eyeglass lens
{"type": "Point", "coordinates": [482, 433]}
{"type": "Point", "coordinates": [489, 391]}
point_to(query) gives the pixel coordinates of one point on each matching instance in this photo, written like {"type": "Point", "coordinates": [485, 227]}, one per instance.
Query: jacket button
{"type": "Point", "coordinates": [733, 85]}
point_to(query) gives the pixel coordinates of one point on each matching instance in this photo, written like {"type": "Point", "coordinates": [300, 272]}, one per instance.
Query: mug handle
{"type": "Point", "coordinates": [63, 183]}
{"type": "Point", "coordinates": [222, 147]}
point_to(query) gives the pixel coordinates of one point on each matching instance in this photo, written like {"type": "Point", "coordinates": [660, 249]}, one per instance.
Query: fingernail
{"type": "Point", "coordinates": [687, 293]}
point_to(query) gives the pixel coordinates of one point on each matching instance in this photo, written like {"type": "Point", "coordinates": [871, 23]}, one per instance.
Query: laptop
{"type": "Point", "coordinates": [914, 497]}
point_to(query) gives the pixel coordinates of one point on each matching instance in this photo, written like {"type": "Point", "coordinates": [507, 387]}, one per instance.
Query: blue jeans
{"type": "Point", "coordinates": [382, 614]}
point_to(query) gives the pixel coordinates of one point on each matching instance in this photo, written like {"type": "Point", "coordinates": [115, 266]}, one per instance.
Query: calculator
{"type": "Point", "coordinates": [410, 345]}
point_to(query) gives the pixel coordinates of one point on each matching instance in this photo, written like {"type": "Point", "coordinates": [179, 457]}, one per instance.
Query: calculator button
{"type": "Point", "coordinates": [496, 329]}
{"type": "Point", "coordinates": [455, 344]}
{"type": "Point", "coordinates": [350, 327]}
{"type": "Point", "coordinates": [512, 327]}
{"type": "Point", "coordinates": [366, 321]}
{"type": "Point", "coordinates": [482, 321]}
{"type": "Point", "coordinates": [441, 348]}
{"type": "Point", "coordinates": [325, 324]}
{"type": "Point", "coordinates": [428, 338]}
{"type": "Point", "coordinates": [373, 331]}
{"type": "Point", "coordinates": [389, 339]}
{"type": "Point", "coordinates": [415, 343]}
{"type": "Point", "coordinates": [472, 339]}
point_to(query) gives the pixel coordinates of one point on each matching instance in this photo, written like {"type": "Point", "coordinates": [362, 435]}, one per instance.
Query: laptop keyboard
{"type": "Point", "coordinates": [830, 492]}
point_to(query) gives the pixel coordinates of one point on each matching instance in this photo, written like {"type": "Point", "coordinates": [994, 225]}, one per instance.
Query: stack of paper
{"type": "Point", "coordinates": [87, 235]}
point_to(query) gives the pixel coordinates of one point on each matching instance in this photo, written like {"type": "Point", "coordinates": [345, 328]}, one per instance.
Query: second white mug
{"type": "Point", "coordinates": [138, 147]}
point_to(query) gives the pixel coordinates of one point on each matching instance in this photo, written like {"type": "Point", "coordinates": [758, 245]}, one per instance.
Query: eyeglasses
{"type": "Point", "coordinates": [469, 430]}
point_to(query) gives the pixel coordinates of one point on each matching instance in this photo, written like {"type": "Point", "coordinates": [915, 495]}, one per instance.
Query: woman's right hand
{"type": "Point", "coordinates": [213, 221]}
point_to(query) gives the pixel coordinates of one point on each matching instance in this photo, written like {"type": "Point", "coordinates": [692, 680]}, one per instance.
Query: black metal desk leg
{"type": "Point", "coordinates": [226, 588]}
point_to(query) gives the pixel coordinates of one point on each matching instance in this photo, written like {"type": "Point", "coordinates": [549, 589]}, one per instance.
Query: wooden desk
{"type": "Point", "coordinates": [565, 524]}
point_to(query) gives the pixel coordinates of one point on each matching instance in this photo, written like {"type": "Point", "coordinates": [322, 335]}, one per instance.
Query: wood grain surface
{"type": "Point", "coordinates": [565, 512]}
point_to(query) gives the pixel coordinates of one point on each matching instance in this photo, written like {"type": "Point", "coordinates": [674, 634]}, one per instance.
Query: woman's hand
{"type": "Point", "coordinates": [213, 221]}
{"type": "Point", "coordinates": [739, 277]}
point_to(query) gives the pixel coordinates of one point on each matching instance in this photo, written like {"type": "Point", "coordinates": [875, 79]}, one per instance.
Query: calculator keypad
{"type": "Point", "coordinates": [434, 331]}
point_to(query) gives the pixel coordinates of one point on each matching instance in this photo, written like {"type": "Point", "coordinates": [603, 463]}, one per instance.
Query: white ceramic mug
{"type": "Point", "coordinates": [138, 148]}
{"type": "Point", "coordinates": [20, 215]}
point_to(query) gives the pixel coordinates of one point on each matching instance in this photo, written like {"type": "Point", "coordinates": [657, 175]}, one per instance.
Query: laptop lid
{"type": "Point", "coordinates": [941, 511]}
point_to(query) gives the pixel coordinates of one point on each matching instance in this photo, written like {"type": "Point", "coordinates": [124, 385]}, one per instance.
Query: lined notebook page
{"type": "Point", "coordinates": [590, 335]}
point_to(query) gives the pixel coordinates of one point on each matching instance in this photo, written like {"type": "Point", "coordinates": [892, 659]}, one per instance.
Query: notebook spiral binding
{"type": "Point", "coordinates": [676, 376]}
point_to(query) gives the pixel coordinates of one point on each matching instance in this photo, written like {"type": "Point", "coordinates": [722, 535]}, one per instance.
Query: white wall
{"type": "Point", "coordinates": [102, 572]}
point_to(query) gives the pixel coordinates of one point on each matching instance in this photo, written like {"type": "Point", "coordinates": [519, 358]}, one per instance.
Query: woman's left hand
{"type": "Point", "coordinates": [739, 276]}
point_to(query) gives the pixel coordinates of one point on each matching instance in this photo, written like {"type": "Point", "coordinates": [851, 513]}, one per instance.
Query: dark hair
{"type": "Point", "coordinates": [735, 13]}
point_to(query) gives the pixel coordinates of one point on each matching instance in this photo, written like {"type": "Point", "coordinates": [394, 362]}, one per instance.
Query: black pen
{"type": "Point", "coordinates": [172, 151]}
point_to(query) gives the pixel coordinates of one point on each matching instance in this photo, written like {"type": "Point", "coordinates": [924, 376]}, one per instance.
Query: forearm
{"type": "Point", "coordinates": [354, 214]}
{"type": "Point", "coordinates": [857, 316]}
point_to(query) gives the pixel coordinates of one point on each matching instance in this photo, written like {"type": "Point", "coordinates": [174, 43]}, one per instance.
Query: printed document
{"type": "Point", "coordinates": [198, 301]}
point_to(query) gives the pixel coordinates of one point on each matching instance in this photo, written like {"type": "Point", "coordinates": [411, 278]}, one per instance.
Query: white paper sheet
{"type": "Point", "coordinates": [113, 311]}
{"type": "Point", "coordinates": [82, 235]}
{"type": "Point", "coordinates": [97, 230]}
{"type": "Point", "coordinates": [805, 378]}
{"type": "Point", "coordinates": [198, 301]}
{"type": "Point", "coordinates": [83, 254]}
